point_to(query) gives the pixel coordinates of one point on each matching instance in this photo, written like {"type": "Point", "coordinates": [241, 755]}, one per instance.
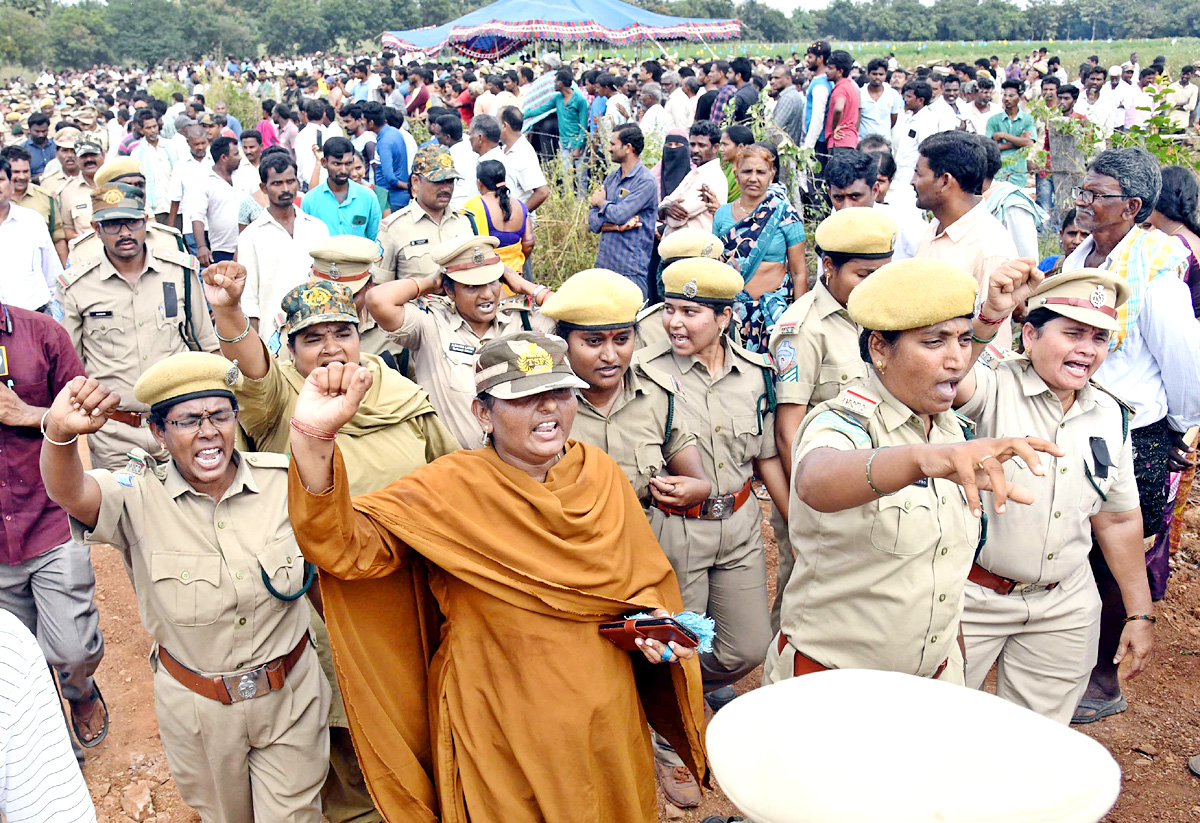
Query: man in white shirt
{"type": "Point", "coordinates": [945, 105]}
{"type": "Point", "coordinates": [156, 159]}
{"type": "Point", "coordinates": [916, 123]}
{"type": "Point", "coordinates": [311, 114]}
{"type": "Point", "coordinates": [685, 207]}
{"type": "Point", "coordinates": [448, 129]}
{"type": "Point", "coordinates": [485, 139]}
{"type": "Point", "coordinates": [1116, 95]}
{"type": "Point", "coordinates": [879, 104]}
{"type": "Point", "coordinates": [525, 178]}
{"type": "Point", "coordinates": [979, 105]}
{"type": "Point", "coordinates": [1183, 98]}
{"type": "Point", "coordinates": [31, 263]}
{"type": "Point", "coordinates": [852, 177]}
{"type": "Point", "coordinates": [655, 122]}
{"type": "Point", "coordinates": [680, 107]}
{"type": "Point", "coordinates": [189, 172]}
{"type": "Point", "coordinates": [211, 207]}
{"type": "Point", "coordinates": [1152, 367]}
{"type": "Point", "coordinates": [275, 248]}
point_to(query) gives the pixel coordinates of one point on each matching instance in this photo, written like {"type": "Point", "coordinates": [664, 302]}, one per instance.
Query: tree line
{"type": "Point", "coordinates": [37, 33]}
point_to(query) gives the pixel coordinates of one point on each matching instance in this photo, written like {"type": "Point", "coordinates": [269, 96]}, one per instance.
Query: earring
{"type": "Point", "coordinates": [484, 439]}
{"type": "Point", "coordinates": [879, 367]}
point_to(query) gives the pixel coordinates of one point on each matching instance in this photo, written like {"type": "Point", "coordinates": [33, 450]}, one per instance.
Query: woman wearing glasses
{"type": "Point", "coordinates": [241, 702]}
{"type": "Point", "coordinates": [127, 303]}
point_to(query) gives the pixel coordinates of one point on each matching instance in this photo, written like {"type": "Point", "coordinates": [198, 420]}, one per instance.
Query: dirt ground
{"type": "Point", "coordinates": [1152, 740]}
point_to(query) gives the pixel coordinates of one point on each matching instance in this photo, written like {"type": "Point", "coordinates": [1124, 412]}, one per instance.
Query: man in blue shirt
{"type": "Point", "coordinates": [39, 145]}
{"type": "Point", "coordinates": [235, 125]}
{"type": "Point", "coordinates": [344, 206]}
{"type": "Point", "coordinates": [391, 156]}
{"type": "Point", "coordinates": [624, 211]}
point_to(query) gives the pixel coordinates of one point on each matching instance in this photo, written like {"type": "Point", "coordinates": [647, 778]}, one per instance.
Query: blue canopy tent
{"type": "Point", "coordinates": [504, 26]}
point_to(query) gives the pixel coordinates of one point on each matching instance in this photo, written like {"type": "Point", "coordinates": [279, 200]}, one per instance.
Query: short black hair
{"type": "Point", "coordinates": [11, 153]}
{"type": "Point", "coordinates": [958, 154]}
{"type": "Point", "coordinates": [143, 114]}
{"type": "Point", "coordinates": [1051, 80]}
{"type": "Point", "coordinates": [631, 135]}
{"type": "Point", "coordinates": [920, 89]}
{"type": "Point", "coordinates": [337, 147]}
{"type": "Point", "coordinates": [845, 167]}
{"type": "Point", "coordinates": [741, 135]}
{"type": "Point", "coordinates": [876, 63]}
{"type": "Point", "coordinates": [1069, 89]}
{"type": "Point", "coordinates": [251, 134]}
{"type": "Point", "coordinates": [1014, 84]}
{"type": "Point", "coordinates": [451, 126]}
{"type": "Point", "coordinates": [38, 119]}
{"type": "Point", "coordinates": [706, 128]}
{"type": "Point", "coordinates": [221, 147]}
{"type": "Point", "coordinates": [564, 76]}
{"type": "Point", "coordinates": [374, 113]}
{"type": "Point", "coordinates": [512, 116]}
{"type": "Point", "coordinates": [741, 66]}
{"type": "Point", "coordinates": [842, 61]}
{"type": "Point", "coordinates": [278, 161]}
{"type": "Point", "coordinates": [993, 158]}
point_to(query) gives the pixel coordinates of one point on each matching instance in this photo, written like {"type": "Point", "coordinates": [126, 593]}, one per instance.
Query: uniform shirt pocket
{"type": "Point", "coordinates": [283, 565]}
{"type": "Point", "coordinates": [832, 377]}
{"type": "Point", "coordinates": [187, 587]}
{"type": "Point", "coordinates": [103, 333]}
{"type": "Point", "coordinates": [905, 523]}
{"type": "Point", "coordinates": [747, 432]}
{"type": "Point", "coordinates": [415, 261]}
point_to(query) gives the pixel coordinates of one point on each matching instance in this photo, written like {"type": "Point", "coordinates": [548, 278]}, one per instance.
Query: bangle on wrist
{"type": "Point", "coordinates": [312, 431]}
{"type": "Point", "coordinates": [237, 339]}
{"type": "Point", "coordinates": [870, 483]}
{"type": "Point", "coordinates": [977, 339]}
{"type": "Point", "coordinates": [416, 283]}
{"type": "Point", "coordinates": [1134, 617]}
{"type": "Point", "coordinates": [50, 439]}
{"type": "Point", "coordinates": [540, 294]}
{"type": "Point", "coordinates": [987, 321]}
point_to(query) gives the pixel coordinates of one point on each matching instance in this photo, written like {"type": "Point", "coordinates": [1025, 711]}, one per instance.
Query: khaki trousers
{"type": "Point", "coordinates": [787, 561]}
{"type": "Point", "coordinates": [258, 761]}
{"type": "Point", "coordinates": [1043, 644]}
{"type": "Point", "coordinates": [779, 665]}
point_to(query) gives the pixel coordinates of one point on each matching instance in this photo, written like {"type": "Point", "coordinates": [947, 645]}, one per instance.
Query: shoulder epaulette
{"type": "Point", "coordinates": [653, 350]}
{"type": "Point", "coordinates": [761, 359]}
{"type": "Point", "coordinates": [789, 322]}
{"type": "Point", "coordinates": [157, 226]}
{"type": "Point", "coordinates": [75, 271]}
{"type": "Point", "coordinates": [649, 311]}
{"type": "Point", "coordinates": [658, 377]}
{"type": "Point", "coordinates": [859, 399]}
{"type": "Point", "coordinates": [266, 460]}
{"type": "Point", "coordinates": [179, 258]}
{"type": "Point", "coordinates": [968, 425]}
{"type": "Point", "coordinates": [79, 238]}
{"type": "Point", "coordinates": [1126, 406]}
{"type": "Point", "coordinates": [393, 217]}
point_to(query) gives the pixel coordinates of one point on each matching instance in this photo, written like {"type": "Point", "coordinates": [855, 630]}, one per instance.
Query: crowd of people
{"type": "Point", "coordinates": [377, 488]}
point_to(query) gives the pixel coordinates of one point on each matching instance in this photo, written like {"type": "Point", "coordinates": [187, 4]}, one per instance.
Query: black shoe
{"type": "Point", "coordinates": [720, 698]}
{"type": "Point", "coordinates": [717, 818]}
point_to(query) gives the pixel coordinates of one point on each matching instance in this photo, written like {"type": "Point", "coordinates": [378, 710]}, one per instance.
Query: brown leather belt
{"type": "Point", "coordinates": [803, 664]}
{"type": "Point", "coordinates": [129, 418]}
{"type": "Point", "coordinates": [234, 688]}
{"type": "Point", "coordinates": [1002, 585]}
{"type": "Point", "coordinates": [713, 508]}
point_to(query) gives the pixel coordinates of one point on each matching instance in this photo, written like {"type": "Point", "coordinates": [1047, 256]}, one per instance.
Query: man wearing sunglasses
{"type": "Point", "coordinates": [128, 305]}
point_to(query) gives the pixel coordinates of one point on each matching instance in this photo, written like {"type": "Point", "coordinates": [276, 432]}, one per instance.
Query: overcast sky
{"type": "Point", "coordinates": [786, 6]}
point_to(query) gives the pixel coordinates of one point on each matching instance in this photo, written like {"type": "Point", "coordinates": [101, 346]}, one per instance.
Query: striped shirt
{"type": "Point", "coordinates": [40, 781]}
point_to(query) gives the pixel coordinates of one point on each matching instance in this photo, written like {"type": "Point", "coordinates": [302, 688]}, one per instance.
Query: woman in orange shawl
{"type": "Point", "coordinates": [529, 544]}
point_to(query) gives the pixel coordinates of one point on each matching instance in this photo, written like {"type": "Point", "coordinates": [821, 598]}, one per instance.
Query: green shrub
{"type": "Point", "coordinates": [564, 244]}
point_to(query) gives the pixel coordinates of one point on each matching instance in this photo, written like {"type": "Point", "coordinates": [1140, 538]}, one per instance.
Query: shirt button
{"type": "Point", "coordinates": [220, 524]}
{"type": "Point", "coordinates": [240, 575]}
{"type": "Point", "coordinates": [907, 505]}
{"type": "Point", "coordinates": [943, 498]}
{"type": "Point", "coordinates": [1063, 470]}
{"type": "Point", "coordinates": [145, 357]}
{"type": "Point", "coordinates": [720, 465]}
{"type": "Point", "coordinates": [241, 621]}
{"type": "Point", "coordinates": [942, 598]}
{"type": "Point", "coordinates": [944, 550]}
{"type": "Point", "coordinates": [1050, 556]}
{"type": "Point", "coordinates": [287, 559]}
{"type": "Point", "coordinates": [185, 575]}
{"type": "Point", "coordinates": [141, 323]}
{"type": "Point", "coordinates": [1057, 515]}
{"type": "Point", "coordinates": [933, 639]}
{"type": "Point", "coordinates": [135, 291]}
{"type": "Point", "coordinates": [716, 428]}
{"type": "Point", "coordinates": [845, 377]}
{"type": "Point", "coordinates": [8, 517]}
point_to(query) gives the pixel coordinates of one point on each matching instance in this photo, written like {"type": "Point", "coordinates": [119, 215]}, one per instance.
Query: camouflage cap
{"type": "Point", "coordinates": [118, 201]}
{"type": "Point", "coordinates": [434, 163]}
{"type": "Point", "coordinates": [524, 364]}
{"type": "Point", "coordinates": [317, 301]}
{"type": "Point", "coordinates": [86, 147]}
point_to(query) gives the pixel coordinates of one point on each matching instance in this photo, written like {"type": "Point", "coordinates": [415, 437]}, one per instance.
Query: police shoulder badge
{"type": "Point", "coordinates": [532, 358]}
{"type": "Point", "coordinates": [691, 288]}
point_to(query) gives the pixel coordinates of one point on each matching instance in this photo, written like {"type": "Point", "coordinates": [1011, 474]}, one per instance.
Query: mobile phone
{"type": "Point", "coordinates": [624, 633]}
{"type": "Point", "coordinates": [170, 300]}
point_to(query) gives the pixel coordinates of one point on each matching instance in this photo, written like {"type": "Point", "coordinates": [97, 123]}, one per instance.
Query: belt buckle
{"type": "Point", "coordinates": [1028, 588]}
{"type": "Point", "coordinates": [721, 507]}
{"type": "Point", "coordinates": [248, 685]}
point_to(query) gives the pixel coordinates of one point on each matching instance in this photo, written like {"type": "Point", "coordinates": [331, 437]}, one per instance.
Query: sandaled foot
{"type": "Point", "coordinates": [1091, 709]}
{"type": "Point", "coordinates": [680, 788]}
{"type": "Point", "coordinates": [89, 719]}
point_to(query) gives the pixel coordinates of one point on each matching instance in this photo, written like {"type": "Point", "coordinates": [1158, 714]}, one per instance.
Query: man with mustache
{"type": "Point", "coordinates": [275, 247]}
{"type": "Point", "coordinates": [126, 307]}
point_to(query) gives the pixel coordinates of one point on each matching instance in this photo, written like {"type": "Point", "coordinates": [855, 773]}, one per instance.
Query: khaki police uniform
{"type": "Point", "coordinates": [120, 329]}
{"type": "Point", "coordinates": [75, 204]}
{"type": "Point", "coordinates": [1044, 633]}
{"type": "Point", "coordinates": [877, 586]}
{"type": "Point", "coordinates": [443, 347]}
{"type": "Point", "coordinates": [44, 203]}
{"type": "Point", "coordinates": [197, 567]}
{"type": "Point", "coordinates": [721, 564]}
{"type": "Point", "coordinates": [408, 238]}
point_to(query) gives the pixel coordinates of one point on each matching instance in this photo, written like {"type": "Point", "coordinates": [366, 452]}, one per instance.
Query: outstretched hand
{"type": "Point", "coordinates": [331, 395]}
{"type": "Point", "coordinates": [979, 464]}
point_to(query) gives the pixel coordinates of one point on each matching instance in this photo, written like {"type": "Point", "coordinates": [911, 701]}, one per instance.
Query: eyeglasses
{"type": "Point", "coordinates": [115, 226]}
{"type": "Point", "coordinates": [193, 422]}
{"type": "Point", "coordinates": [1085, 197]}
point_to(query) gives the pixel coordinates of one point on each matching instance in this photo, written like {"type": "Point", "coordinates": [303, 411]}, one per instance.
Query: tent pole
{"type": "Point", "coordinates": [710, 50]}
{"type": "Point", "coordinates": [660, 47]}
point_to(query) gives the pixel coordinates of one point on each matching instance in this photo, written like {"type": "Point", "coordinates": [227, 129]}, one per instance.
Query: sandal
{"type": "Point", "coordinates": [1091, 709]}
{"type": "Point", "coordinates": [83, 726]}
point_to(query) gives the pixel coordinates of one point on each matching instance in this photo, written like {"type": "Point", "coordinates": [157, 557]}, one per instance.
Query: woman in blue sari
{"type": "Point", "coordinates": [764, 241]}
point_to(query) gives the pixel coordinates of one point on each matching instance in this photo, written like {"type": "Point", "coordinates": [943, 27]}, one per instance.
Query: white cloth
{"type": "Point", "coordinates": [525, 173]}
{"type": "Point", "coordinates": [245, 178]}
{"type": "Point", "coordinates": [306, 163]}
{"type": "Point", "coordinates": [876, 115]}
{"type": "Point", "coordinates": [681, 109]}
{"type": "Point", "coordinates": [613, 113]}
{"type": "Point", "coordinates": [946, 116]}
{"type": "Point", "coordinates": [687, 194]}
{"type": "Point", "coordinates": [1157, 368]}
{"type": "Point", "coordinates": [465, 162]}
{"type": "Point", "coordinates": [910, 228]}
{"type": "Point", "coordinates": [188, 172]}
{"type": "Point", "coordinates": [976, 119]}
{"type": "Point", "coordinates": [910, 130]}
{"type": "Point", "coordinates": [1117, 99]}
{"type": "Point", "coordinates": [816, 123]}
{"type": "Point", "coordinates": [655, 123]}
{"type": "Point", "coordinates": [31, 263]}
{"type": "Point", "coordinates": [214, 203]}
{"type": "Point", "coordinates": [40, 781]}
{"type": "Point", "coordinates": [1023, 226]}
{"type": "Point", "coordinates": [276, 262]}
{"type": "Point", "coordinates": [157, 164]}
{"type": "Point", "coordinates": [410, 147]}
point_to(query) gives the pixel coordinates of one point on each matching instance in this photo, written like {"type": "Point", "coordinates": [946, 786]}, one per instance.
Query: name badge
{"type": "Point", "coordinates": [100, 314]}
{"type": "Point", "coordinates": [420, 242]}
{"type": "Point", "coordinates": [462, 348]}
{"type": "Point", "coordinates": [923, 483]}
